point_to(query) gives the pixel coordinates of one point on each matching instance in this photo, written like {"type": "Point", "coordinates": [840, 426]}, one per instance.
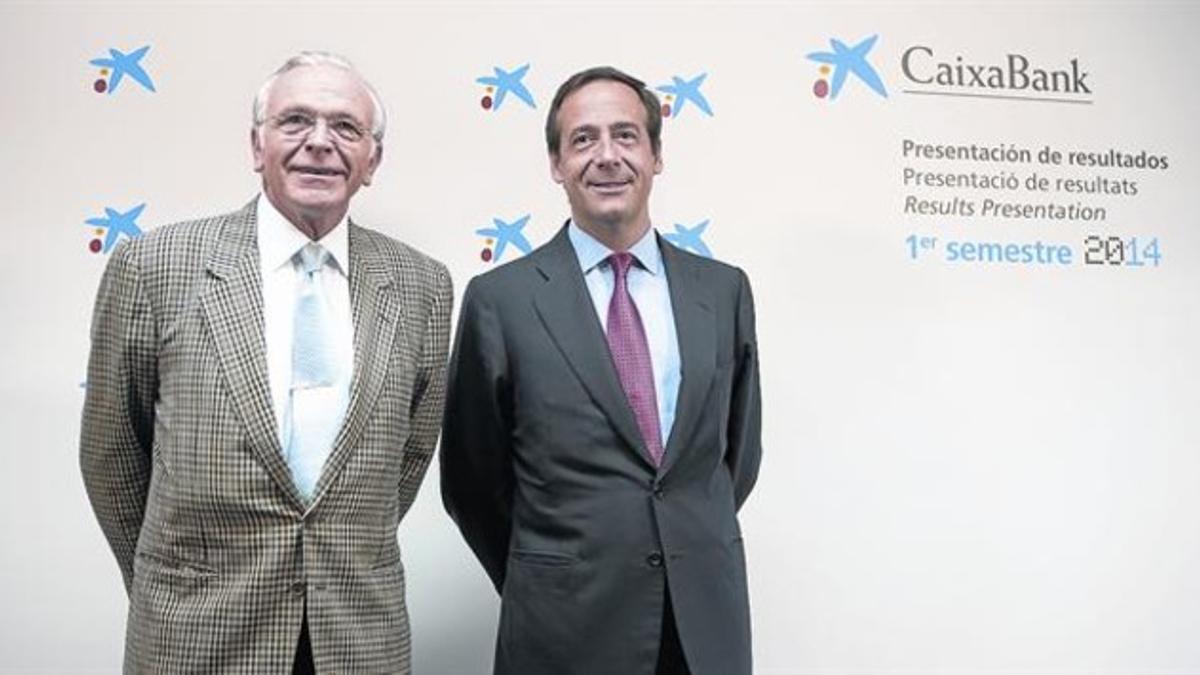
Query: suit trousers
{"type": "Point", "coordinates": [303, 663]}
{"type": "Point", "coordinates": [671, 660]}
{"type": "Point", "coordinates": [670, 653]}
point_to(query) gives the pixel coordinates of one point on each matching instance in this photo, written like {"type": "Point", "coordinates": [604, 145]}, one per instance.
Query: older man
{"type": "Point", "coordinates": [602, 420]}
{"type": "Point", "coordinates": [263, 399]}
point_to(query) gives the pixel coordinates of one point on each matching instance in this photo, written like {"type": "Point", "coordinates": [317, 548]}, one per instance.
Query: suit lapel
{"type": "Point", "coordinates": [695, 326]}
{"type": "Point", "coordinates": [233, 306]}
{"type": "Point", "coordinates": [377, 312]}
{"type": "Point", "coordinates": [561, 303]}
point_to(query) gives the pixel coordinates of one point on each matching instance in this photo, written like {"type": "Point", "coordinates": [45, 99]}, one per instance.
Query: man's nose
{"type": "Point", "coordinates": [319, 138]}
{"type": "Point", "coordinates": [606, 152]}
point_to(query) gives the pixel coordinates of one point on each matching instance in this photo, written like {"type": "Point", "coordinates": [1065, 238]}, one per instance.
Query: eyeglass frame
{"type": "Point", "coordinates": [358, 132]}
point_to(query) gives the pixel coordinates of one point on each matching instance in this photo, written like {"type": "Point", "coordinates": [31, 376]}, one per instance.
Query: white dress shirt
{"type": "Point", "coordinates": [651, 293]}
{"type": "Point", "coordinates": [278, 243]}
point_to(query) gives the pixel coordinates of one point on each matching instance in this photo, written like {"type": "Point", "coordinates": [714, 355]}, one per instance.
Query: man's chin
{"type": "Point", "coordinates": [607, 211]}
{"type": "Point", "coordinates": [318, 199]}
{"type": "Point", "coordinates": [313, 206]}
{"type": "Point", "coordinates": [610, 221]}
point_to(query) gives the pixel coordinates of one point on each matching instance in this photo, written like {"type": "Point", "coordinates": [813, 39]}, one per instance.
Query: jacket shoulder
{"type": "Point", "coordinates": [180, 243]}
{"type": "Point", "coordinates": [711, 270]}
{"type": "Point", "coordinates": [511, 270]}
{"type": "Point", "coordinates": [395, 250]}
{"type": "Point", "coordinates": [519, 273]}
{"type": "Point", "coordinates": [403, 260]}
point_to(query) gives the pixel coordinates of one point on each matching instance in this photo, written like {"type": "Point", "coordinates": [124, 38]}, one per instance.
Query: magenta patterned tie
{"type": "Point", "coordinates": [631, 356]}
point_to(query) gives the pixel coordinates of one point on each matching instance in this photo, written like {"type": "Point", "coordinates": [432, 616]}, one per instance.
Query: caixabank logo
{"type": "Point", "coordinates": [684, 93]}
{"type": "Point", "coordinates": [118, 65]}
{"type": "Point", "coordinates": [106, 230]}
{"type": "Point", "coordinates": [840, 63]}
{"type": "Point", "coordinates": [1012, 76]}
{"type": "Point", "coordinates": [500, 84]}
{"type": "Point", "coordinates": [928, 70]}
{"type": "Point", "coordinates": [689, 238]}
{"type": "Point", "coordinates": [500, 235]}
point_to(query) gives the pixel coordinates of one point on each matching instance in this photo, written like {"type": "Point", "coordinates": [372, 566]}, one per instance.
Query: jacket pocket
{"type": "Point", "coordinates": [162, 576]}
{"type": "Point", "coordinates": [388, 561]}
{"type": "Point", "coordinates": [541, 558]}
{"type": "Point", "coordinates": [540, 572]}
{"type": "Point", "coordinates": [167, 566]}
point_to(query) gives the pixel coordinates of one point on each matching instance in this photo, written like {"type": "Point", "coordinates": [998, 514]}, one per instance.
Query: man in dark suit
{"type": "Point", "coordinates": [263, 399]}
{"type": "Point", "coordinates": [603, 420]}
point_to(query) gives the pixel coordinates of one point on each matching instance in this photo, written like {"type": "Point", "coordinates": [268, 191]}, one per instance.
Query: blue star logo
{"type": "Point", "coordinates": [686, 91]}
{"type": "Point", "coordinates": [114, 223]}
{"type": "Point", "coordinates": [503, 234]}
{"type": "Point", "coordinates": [503, 83]}
{"type": "Point", "coordinates": [846, 60]}
{"type": "Point", "coordinates": [688, 238]}
{"type": "Point", "coordinates": [122, 64]}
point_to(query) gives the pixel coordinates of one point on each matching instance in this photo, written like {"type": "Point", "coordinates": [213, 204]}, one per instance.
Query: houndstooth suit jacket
{"type": "Point", "coordinates": [220, 553]}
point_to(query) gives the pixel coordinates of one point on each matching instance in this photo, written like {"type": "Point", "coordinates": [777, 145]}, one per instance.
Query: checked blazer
{"type": "Point", "coordinates": [220, 554]}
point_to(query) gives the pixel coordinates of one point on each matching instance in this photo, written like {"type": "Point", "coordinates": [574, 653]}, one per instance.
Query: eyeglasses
{"type": "Point", "coordinates": [299, 123]}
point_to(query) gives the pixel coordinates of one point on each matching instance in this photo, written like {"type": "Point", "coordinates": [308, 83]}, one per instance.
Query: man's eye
{"type": "Point", "coordinates": [295, 122]}
{"type": "Point", "coordinates": [348, 130]}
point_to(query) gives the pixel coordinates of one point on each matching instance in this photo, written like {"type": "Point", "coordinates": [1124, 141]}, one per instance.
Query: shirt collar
{"type": "Point", "coordinates": [279, 240]}
{"type": "Point", "coordinates": [591, 252]}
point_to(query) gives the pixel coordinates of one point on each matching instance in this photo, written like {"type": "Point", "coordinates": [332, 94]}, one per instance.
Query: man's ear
{"type": "Point", "coordinates": [556, 172]}
{"type": "Point", "coordinates": [256, 149]}
{"type": "Point", "coordinates": [376, 158]}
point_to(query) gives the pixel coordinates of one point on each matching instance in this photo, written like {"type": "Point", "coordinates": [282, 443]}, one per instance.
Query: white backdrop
{"type": "Point", "coordinates": [969, 467]}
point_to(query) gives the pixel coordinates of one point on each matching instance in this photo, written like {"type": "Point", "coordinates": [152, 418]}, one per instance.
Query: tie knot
{"type": "Point", "coordinates": [313, 257]}
{"type": "Point", "coordinates": [621, 262]}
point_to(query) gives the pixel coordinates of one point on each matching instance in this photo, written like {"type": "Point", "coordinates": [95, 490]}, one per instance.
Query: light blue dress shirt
{"type": "Point", "coordinates": [651, 293]}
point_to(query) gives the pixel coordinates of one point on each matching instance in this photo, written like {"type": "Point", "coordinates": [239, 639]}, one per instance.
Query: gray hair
{"type": "Point", "coordinates": [319, 58]}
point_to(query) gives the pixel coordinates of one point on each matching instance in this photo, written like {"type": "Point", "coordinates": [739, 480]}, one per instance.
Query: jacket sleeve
{"type": "Point", "coordinates": [476, 465]}
{"type": "Point", "coordinates": [744, 449]}
{"type": "Point", "coordinates": [117, 432]}
{"type": "Point", "coordinates": [429, 392]}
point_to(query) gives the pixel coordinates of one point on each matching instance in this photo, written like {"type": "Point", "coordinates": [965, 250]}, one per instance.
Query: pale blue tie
{"type": "Point", "coordinates": [315, 409]}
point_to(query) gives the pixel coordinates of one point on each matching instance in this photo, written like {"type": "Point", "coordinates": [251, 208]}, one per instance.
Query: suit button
{"type": "Point", "coordinates": [654, 559]}
{"type": "Point", "coordinates": [658, 492]}
{"type": "Point", "coordinates": [298, 588]}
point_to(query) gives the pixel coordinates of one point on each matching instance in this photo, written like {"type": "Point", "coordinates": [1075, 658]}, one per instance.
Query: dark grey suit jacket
{"type": "Point", "coordinates": [545, 472]}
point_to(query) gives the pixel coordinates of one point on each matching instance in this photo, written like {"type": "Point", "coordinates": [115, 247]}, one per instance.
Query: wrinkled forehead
{"type": "Point", "coordinates": [323, 89]}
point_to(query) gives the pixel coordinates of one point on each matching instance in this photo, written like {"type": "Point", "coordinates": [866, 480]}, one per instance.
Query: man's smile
{"type": "Point", "coordinates": [609, 186]}
{"type": "Point", "coordinates": [317, 170]}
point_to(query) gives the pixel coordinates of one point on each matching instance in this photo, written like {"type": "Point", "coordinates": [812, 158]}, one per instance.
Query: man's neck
{"type": "Point", "coordinates": [615, 236]}
{"type": "Point", "coordinates": [314, 225]}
